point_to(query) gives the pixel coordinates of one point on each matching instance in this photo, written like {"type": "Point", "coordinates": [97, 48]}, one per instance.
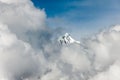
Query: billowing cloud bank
{"type": "Point", "coordinates": [28, 50]}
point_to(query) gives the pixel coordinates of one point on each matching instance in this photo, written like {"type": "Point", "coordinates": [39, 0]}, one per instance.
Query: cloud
{"type": "Point", "coordinates": [111, 73]}
{"type": "Point", "coordinates": [22, 17]}
{"type": "Point", "coordinates": [18, 59]}
{"type": "Point", "coordinates": [13, 1]}
{"type": "Point", "coordinates": [24, 14]}
{"type": "Point", "coordinates": [28, 50]}
{"type": "Point", "coordinates": [106, 45]}
{"type": "Point", "coordinates": [77, 60]}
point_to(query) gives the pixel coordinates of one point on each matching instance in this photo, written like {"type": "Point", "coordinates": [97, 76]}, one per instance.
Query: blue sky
{"type": "Point", "coordinates": [80, 17]}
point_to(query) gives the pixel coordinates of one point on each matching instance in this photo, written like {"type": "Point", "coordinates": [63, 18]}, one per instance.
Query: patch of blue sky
{"type": "Point", "coordinates": [81, 16]}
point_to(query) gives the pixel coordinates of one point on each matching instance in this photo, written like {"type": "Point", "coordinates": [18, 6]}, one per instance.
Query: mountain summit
{"type": "Point", "coordinates": [67, 39]}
